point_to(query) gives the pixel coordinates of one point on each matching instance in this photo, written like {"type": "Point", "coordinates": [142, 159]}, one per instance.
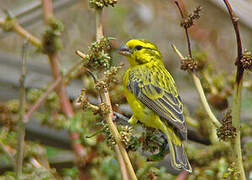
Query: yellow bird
{"type": "Point", "coordinates": [153, 97]}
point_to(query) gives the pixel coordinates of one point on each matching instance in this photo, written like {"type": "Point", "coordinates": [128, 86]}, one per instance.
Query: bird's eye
{"type": "Point", "coordinates": [138, 47]}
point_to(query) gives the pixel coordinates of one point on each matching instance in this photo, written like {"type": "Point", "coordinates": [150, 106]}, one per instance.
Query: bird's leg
{"type": "Point", "coordinates": [133, 120]}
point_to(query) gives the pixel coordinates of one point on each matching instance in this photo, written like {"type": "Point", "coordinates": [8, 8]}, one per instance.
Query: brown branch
{"type": "Point", "coordinates": [21, 124]}
{"type": "Point", "coordinates": [41, 100]}
{"type": "Point", "coordinates": [104, 95]}
{"type": "Point", "coordinates": [236, 106]}
{"type": "Point", "coordinates": [47, 10]}
{"type": "Point", "coordinates": [196, 80]}
{"type": "Point", "coordinates": [65, 104]}
{"type": "Point", "coordinates": [235, 20]}
{"type": "Point", "coordinates": [186, 30]}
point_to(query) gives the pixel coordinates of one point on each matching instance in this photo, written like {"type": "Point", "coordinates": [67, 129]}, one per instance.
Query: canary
{"type": "Point", "coordinates": [153, 97]}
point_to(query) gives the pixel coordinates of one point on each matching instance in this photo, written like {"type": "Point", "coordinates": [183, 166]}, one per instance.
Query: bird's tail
{"type": "Point", "coordinates": [178, 155]}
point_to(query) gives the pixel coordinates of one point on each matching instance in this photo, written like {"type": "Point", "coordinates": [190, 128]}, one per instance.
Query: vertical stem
{"type": "Point", "coordinates": [124, 172]}
{"type": "Point", "coordinates": [99, 27]}
{"type": "Point", "coordinates": [202, 95]}
{"type": "Point", "coordinates": [236, 106]}
{"type": "Point", "coordinates": [48, 8]}
{"type": "Point", "coordinates": [65, 103]}
{"type": "Point", "coordinates": [21, 124]}
{"type": "Point", "coordinates": [106, 99]}
{"type": "Point", "coordinates": [236, 141]}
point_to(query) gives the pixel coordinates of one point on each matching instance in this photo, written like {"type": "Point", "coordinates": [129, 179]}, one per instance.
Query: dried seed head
{"type": "Point", "coordinates": [126, 133]}
{"type": "Point", "coordinates": [188, 21]}
{"type": "Point", "coordinates": [247, 60]}
{"type": "Point", "coordinates": [226, 131]}
{"type": "Point", "coordinates": [189, 64]}
{"type": "Point", "coordinates": [83, 100]}
{"type": "Point", "coordinates": [100, 85]}
{"type": "Point", "coordinates": [104, 109]}
{"type": "Point", "coordinates": [99, 4]}
{"type": "Point", "coordinates": [110, 75]}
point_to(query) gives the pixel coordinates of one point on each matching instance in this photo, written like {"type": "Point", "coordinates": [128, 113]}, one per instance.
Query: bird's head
{"type": "Point", "coordinates": [140, 51]}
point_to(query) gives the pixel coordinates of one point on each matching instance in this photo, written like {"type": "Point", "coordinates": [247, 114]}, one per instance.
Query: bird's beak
{"type": "Point", "coordinates": [124, 50]}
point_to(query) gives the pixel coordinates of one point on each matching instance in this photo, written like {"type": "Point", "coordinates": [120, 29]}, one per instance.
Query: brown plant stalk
{"type": "Point", "coordinates": [65, 104]}
{"type": "Point", "coordinates": [196, 80]}
{"type": "Point", "coordinates": [236, 106]}
{"type": "Point", "coordinates": [104, 95]}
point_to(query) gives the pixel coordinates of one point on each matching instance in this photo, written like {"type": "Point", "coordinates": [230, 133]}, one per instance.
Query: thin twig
{"type": "Point", "coordinates": [21, 127]}
{"type": "Point", "coordinates": [41, 99]}
{"type": "Point", "coordinates": [186, 31]}
{"type": "Point", "coordinates": [235, 20]}
{"type": "Point", "coordinates": [236, 106]}
{"type": "Point", "coordinates": [104, 95]}
{"type": "Point", "coordinates": [201, 93]}
{"type": "Point", "coordinates": [196, 80]}
{"type": "Point", "coordinates": [24, 33]}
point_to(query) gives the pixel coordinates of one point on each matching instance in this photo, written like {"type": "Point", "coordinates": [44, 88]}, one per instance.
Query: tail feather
{"type": "Point", "coordinates": [178, 156]}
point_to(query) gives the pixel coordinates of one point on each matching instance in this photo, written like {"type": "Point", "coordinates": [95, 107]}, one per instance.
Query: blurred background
{"type": "Point", "coordinates": [213, 41]}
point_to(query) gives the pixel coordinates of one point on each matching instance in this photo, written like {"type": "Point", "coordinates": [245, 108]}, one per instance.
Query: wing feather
{"type": "Point", "coordinates": [160, 100]}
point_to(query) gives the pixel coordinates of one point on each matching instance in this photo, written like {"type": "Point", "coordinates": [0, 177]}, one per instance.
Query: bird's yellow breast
{"type": "Point", "coordinates": [140, 111]}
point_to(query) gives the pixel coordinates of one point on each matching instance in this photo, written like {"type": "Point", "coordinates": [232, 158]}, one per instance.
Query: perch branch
{"type": "Point", "coordinates": [104, 95]}
{"type": "Point", "coordinates": [236, 106]}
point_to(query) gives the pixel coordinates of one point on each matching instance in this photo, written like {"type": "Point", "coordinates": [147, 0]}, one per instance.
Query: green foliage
{"type": "Point", "coordinates": [71, 173]}
{"type": "Point", "coordinates": [97, 55]}
{"type": "Point", "coordinates": [109, 167]}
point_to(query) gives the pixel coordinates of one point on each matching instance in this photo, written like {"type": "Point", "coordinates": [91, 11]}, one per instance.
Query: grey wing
{"type": "Point", "coordinates": [162, 102]}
